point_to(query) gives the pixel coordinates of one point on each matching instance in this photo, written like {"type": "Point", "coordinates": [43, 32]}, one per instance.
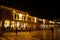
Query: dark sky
{"type": "Point", "coordinates": [41, 9]}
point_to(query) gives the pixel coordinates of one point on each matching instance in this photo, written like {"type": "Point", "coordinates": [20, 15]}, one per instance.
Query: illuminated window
{"type": "Point", "coordinates": [35, 19]}
{"type": "Point", "coordinates": [23, 26]}
{"type": "Point", "coordinates": [12, 24]}
{"type": "Point", "coordinates": [17, 24]}
{"type": "Point", "coordinates": [20, 16]}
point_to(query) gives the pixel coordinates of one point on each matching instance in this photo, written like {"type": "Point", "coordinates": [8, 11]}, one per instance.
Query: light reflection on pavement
{"type": "Point", "coordinates": [34, 35]}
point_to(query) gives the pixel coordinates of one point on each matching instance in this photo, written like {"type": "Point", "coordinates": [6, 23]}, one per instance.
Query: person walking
{"type": "Point", "coordinates": [16, 31]}
{"type": "Point", "coordinates": [52, 29]}
{"type": "Point", "coordinates": [29, 29]}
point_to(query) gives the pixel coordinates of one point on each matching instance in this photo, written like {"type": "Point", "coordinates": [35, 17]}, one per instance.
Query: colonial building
{"type": "Point", "coordinates": [13, 18]}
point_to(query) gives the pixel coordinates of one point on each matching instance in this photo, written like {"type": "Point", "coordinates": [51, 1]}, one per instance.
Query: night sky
{"type": "Point", "coordinates": [40, 9]}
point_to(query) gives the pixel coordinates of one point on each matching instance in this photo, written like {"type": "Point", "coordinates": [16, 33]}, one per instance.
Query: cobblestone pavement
{"type": "Point", "coordinates": [33, 35]}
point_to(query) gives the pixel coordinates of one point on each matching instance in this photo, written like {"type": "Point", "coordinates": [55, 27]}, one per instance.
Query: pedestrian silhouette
{"type": "Point", "coordinates": [16, 31]}
{"type": "Point", "coordinates": [29, 29]}
{"type": "Point", "coordinates": [52, 29]}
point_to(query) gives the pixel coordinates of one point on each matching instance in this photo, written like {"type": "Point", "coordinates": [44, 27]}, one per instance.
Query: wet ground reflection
{"type": "Point", "coordinates": [43, 35]}
{"type": "Point", "coordinates": [33, 35]}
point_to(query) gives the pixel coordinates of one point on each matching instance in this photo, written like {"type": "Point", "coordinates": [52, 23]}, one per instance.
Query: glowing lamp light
{"type": "Point", "coordinates": [13, 11]}
{"type": "Point", "coordinates": [50, 21]}
{"type": "Point", "coordinates": [27, 15]}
